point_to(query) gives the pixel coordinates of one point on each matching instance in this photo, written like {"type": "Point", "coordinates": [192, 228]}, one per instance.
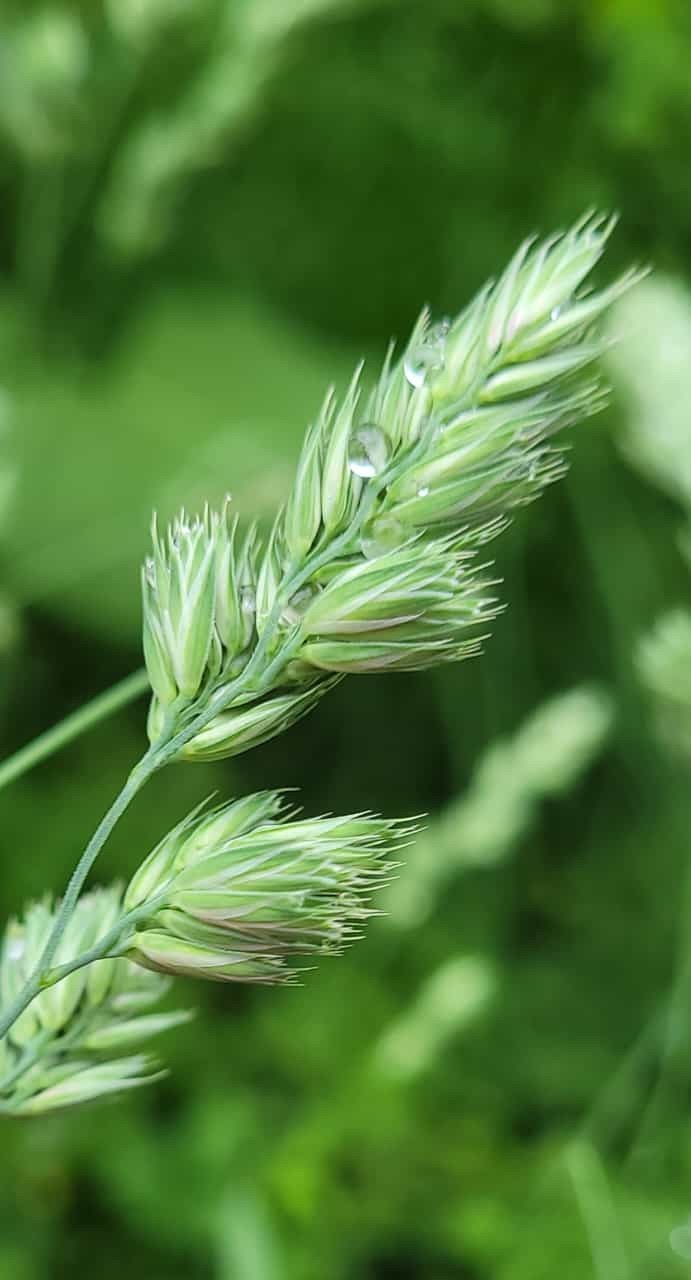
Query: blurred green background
{"type": "Point", "coordinates": [209, 210]}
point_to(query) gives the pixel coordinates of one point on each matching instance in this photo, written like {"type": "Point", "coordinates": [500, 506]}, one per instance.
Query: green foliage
{"type": "Point", "coordinates": [543, 759]}
{"type": "Point", "coordinates": [182, 272]}
{"type": "Point", "coordinates": [655, 380]}
{"type": "Point", "coordinates": [650, 362]}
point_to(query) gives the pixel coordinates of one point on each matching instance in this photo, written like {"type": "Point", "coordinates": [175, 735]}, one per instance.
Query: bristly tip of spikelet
{"type": "Point", "coordinates": [238, 892]}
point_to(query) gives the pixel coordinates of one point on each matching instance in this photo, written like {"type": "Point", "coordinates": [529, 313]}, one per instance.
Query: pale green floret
{"type": "Point", "coordinates": [229, 622]}
{"type": "Point", "coordinates": [304, 509]}
{"type": "Point", "coordinates": [92, 1083]}
{"type": "Point", "coordinates": [158, 867]}
{"type": "Point", "coordinates": [400, 611]}
{"type": "Point", "coordinates": [198, 835]}
{"type": "Point", "coordinates": [128, 1031]}
{"type": "Point", "coordinates": [178, 584]}
{"type": "Point", "coordinates": [337, 497]}
{"type": "Point", "coordinates": [217, 829]}
{"type": "Point", "coordinates": [163, 952]}
{"type": "Point", "coordinates": [235, 731]}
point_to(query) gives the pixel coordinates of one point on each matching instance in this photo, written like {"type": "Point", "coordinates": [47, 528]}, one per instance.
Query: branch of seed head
{"type": "Point", "coordinates": [236, 894]}
{"type": "Point", "coordinates": [60, 1050]}
{"type": "Point", "coordinates": [372, 564]}
{"type": "Point", "coordinates": [233, 894]}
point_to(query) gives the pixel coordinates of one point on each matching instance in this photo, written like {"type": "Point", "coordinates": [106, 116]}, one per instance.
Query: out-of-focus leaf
{"type": "Point", "coordinates": [207, 396]}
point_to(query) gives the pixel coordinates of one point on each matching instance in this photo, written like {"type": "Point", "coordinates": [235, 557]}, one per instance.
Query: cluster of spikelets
{"type": "Point", "coordinates": [64, 1049]}
{"type": "Point", "coordinates": [235, 894]}
{"type": "Point", "coordinates": [375, 563]}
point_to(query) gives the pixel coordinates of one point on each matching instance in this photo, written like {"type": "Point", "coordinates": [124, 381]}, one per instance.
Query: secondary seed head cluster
{"type": "Point", "coordinates": [77, 1035]}
{"type": "Point", "coordinates": [237, 894]}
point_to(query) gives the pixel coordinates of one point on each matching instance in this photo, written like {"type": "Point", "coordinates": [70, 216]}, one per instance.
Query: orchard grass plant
{"type": "Point", "coordinates": [377, 562]}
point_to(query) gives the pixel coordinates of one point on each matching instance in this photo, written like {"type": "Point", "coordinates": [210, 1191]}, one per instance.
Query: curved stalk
{"type": "Point", "coordinates": [155, 758]}
{"type": "Point", "coordinates": [109, 947]}
{"type": "Point", "coordinates": [35, 983]}
{"type": "Point", "coordinates": [161, 752]}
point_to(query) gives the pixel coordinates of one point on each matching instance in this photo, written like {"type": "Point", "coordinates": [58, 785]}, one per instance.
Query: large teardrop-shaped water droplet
{"type": "Point", "coordinates": [248, 600]}
{"type": "Point", "coordinates": [428, 356]}
{"type": "Point", "coordinates": [414, 370]}
{"type": "Point", "coordinates": [369, 451]}
{"type": "Point", "coordinates": [419, 363]}
{"type": "Point", "coordinates": [386, 533]}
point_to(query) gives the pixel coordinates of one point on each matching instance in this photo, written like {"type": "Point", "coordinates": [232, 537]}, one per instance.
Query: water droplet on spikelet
{"type": "Point", "coordinates": [382, 535]}
{"type": "Point", "coordinates": [423, 360]}
{"type": "Point", "coordinates": [428, 356]}
{"type": "Point", "coordinates": [369, 451]}
{"type": "Point", "coordinates": [440, 330]}
{"type": "Point", "coordinates": [298, 604]}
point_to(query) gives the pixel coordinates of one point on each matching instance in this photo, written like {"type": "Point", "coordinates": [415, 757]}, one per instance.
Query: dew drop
{"type": "Point", "coordinates": [423, 360]}
{"type": "Point", "coordinates": [440, 330]}
{"type": "Point", "coordinates": [414, 370]}
{"type": "Point", "coordinates": [382, 535]}
{"type": "Point", "coordinates": [423, 491]}
{"type": "Point", "coordinates": [428, 356]}
{"type": "Point", "coordinates": [248, 600]}
{"type": "Point", "coordinates": [298, 604]}
{"type": "Point", "coordinates": [369, 451]}
{"type": "Point", "coordinates": [555, 313]}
